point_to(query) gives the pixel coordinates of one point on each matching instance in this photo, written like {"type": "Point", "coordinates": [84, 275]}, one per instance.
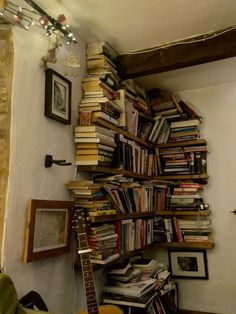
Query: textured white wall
{"type": "Point", "coordinates": [32, 137]}
{"type": "Point", "coordinates": [218, 108]}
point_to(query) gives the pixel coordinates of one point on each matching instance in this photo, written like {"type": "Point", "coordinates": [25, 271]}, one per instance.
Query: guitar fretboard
{"type": "Point", "coordinates": [88, 279]}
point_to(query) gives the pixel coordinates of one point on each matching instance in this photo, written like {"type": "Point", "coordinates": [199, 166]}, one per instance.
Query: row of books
{"type": "Point", "coordinates": [108, 240]}
{"type": "Point", "coordinates": [132, 197]}
{"type": "Point", "coordinates": [164, 125]}
{"type": "Point", "coordinates": [90, 196]}
{"type": "Point", "coordinates": [183, 160]}
{"type": "Point", "coordinates": [134, 234]}
{"type": "Point", "coordinates": [181, 230]}
{"type": "Point", "coordinates": [180, 196]}
{"type": "Point", "coordinates": [138, 286]}
{"type": "Point", "coordinates": [96, 145]}
{"type": "Point", "coordinates": [118, 194]}
{"type": "Point", "coordinates": [133, 157]}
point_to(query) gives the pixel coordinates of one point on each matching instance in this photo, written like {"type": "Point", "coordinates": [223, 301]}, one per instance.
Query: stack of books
{"type": "Point", "coordinates": [95, 145]}
{"type": "Point", "coordinates": [174, 160]}
{"type": "Point", "coordinates": [187, 196]}
{"type": "Point", "coordinates": [142, 290]}
{"type": "Point", "coordinates": [181, 230]}
{"type": "Point", "coordinates": [101, 58]}
{"type": "Point", "coordinates": [103, 242]}
{"type": "Point", "coordinates": [122, 272]}
{"type": "Point", "coordinates": [100, 87]}
{"type": "Point", "coordinates": [90, 196]}
{"type": "Point", "coordinates": [184, 160]}
{"type": "Point", "coordinates": [137, 95]}
{"type": "Point", "coordinates": [185, 130]}
{"type": "Point", "coordinates": [195, 230]}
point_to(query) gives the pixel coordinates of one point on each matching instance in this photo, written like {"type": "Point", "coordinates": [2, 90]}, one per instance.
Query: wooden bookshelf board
{"type": "Point", "coordinates": [119, 130]}
{"type": "Point", "coordinates": [181, 177]}
{"type": "Point", "coordinates": [182, 213]}
{"type": "Point", "coordinates": [101, 169]}
{"type": "Point", "coordinates": [192, 245]}
{"type": "Point", "coordinates": [183, 143]}
{"type": "Point", "coordinates": [107, 218]}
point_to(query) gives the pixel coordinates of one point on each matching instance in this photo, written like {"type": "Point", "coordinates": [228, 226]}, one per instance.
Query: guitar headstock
{"type": "Point", "coordinates": [80, 220]}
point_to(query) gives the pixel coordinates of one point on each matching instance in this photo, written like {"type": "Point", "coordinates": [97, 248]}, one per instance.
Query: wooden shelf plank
{"type": "Point", "coordinates": [123, 257]}
{"type": "Point", "coordinates": [181, 177]}
{"type": "Point", "coordinates": [127, 173]}
{"type": "Point", "coordinates": [193, 245]}
{"type": "Point", "coordinates": [101, 169]}
{"type": "Point", "coordinates": [183, 143]}
{"type": "Point", "coordinates": [107, 218]}
{"type": "Point", "coordinates": [183, 213]}
{"type": "Point", "coordinates": [123, 132]}
{"type": "Point", "coordinates": [180, 245]}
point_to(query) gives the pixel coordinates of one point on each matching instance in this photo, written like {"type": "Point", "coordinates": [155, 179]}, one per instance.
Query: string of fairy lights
{"type": "Point", "coordinates": [35, 16]}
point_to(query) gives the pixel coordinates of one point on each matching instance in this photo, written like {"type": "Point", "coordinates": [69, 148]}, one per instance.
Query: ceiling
{"type": "Point", "coordinates": [130, 25]}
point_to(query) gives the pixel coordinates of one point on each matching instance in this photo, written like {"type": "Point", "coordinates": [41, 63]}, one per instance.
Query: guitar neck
{"type": "Point", "coordinates": [87, 272]}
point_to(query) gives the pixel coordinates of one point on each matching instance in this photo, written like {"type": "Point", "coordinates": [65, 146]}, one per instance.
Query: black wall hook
{"type": "Point", "coordinates": [49, 161]}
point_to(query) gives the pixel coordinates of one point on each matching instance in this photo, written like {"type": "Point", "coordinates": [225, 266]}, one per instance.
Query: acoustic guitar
{"type": "Point", "coordinates": [80, 223]}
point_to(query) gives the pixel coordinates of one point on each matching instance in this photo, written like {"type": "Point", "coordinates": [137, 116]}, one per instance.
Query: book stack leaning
{"type": "Point", "coordinates": [95, 144]}
{"type": "Point", "coordinates": [138, 287]}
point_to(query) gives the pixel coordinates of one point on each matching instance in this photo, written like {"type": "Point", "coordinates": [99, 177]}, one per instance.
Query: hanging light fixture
{"type": "Point", "coordinates": [36, 16]}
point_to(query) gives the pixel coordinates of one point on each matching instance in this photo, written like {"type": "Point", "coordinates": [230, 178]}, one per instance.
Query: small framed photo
{"type": "Point", "coordinates": [188, 263]}
{"type": "Point", "coordinates": [57, 97]}
{"type": "Point", "coordinates": [48, 229]}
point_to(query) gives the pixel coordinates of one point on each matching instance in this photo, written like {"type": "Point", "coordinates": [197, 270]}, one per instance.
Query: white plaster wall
{"type": "Point", "coordinates": [32, 137]}
{"type": "Point", "coordinates": [218, 294]}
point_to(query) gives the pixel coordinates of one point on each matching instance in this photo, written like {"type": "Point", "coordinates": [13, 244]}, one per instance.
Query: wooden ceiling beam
{"type": "Point", "coordinates": [197, 50]}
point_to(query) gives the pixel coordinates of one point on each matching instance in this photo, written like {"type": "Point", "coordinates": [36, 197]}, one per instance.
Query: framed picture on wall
{"type": "Point", "coordinates": [57, 97]}
{"type": "Point", "coordinates": [48, 229]}
{"type": "Point", "coordinates": [190, 264]}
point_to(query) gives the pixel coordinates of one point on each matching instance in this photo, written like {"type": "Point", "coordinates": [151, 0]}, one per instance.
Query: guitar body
{"type": "Point", "coordinates": [106, 309]}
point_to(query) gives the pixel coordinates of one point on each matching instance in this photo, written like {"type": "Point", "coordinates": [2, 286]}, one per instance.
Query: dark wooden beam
{"type": "Point", "coordinates": [197, 50]}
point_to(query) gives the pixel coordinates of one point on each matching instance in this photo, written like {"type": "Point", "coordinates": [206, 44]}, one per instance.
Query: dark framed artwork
{"type": "Point", "coordinates": [48, 229]}
{"type": "Point", "coordinates": [57, 97]}
{"type": "Point", "coordinates": [190, 264]}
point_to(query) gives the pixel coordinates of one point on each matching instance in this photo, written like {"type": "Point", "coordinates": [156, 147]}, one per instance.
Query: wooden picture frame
{"type": "Point", "coordinates": [57, 97]}
{"type": "Point", "coordinates": [48, 229]}
{"type": "Point", "coordinates": [190, 264]}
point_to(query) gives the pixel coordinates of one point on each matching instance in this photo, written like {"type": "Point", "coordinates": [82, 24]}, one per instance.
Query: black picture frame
{"type": "Point", "coordinates": [57, 97]}
{"type": "Point", "coordinates": [188, 264]}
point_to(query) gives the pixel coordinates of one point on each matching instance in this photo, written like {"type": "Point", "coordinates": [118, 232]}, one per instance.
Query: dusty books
{"type": "Point", "coordinates": [95, 145]}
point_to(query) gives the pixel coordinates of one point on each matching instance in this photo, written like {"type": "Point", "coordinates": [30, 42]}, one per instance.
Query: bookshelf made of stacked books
{"type": "Point", "coordinates": [147, 165]}
{"type": "Point", "coordinates": [128, 135]}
